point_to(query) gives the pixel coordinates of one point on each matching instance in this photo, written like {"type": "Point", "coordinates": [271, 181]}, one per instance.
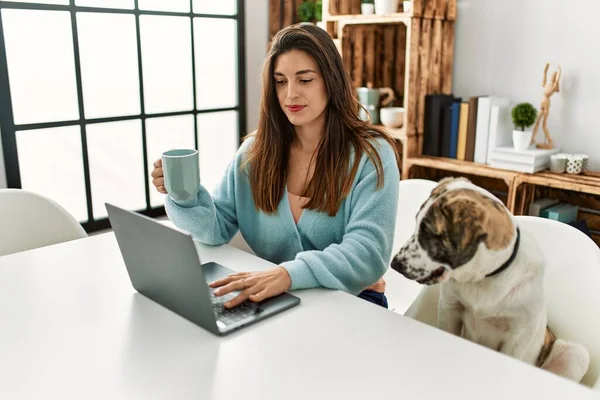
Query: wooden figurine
{"type": "Point", "coordinates": [549, 89]}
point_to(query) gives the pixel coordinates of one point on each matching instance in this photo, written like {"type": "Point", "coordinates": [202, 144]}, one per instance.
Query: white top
{"type": "Point", "coordinates": [74, 328]}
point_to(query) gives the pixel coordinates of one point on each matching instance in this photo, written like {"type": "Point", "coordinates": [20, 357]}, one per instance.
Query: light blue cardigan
{"type": "Point", "coordinates": [348, 251]}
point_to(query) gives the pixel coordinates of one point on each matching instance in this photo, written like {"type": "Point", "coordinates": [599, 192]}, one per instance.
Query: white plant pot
{"type": "Point", "coordinates": [521, 139]}
{"type": "Point", "coordinates": [367, 9]}
{"type": "Point", "coordinates": [383, 7]}
{"type": "Point", "coordinates": [407, 6]}
{"type": "Point", "coordinates": [321, 25]}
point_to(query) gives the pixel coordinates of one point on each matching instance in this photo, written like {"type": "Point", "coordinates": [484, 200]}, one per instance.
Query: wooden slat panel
{"type": "Point", "coordinates": [288, 12]}
{"type": "Point", "coordinates": [355, 8]}
{"type": "Point", "coordinates": [440, 9]}
{"type": "Point", "coordinates": [334, 7]}
{"type": "Point", "coordinates": [451, 11]}
{"type": "Point", "coordinates": [370, 57]}
{"type": "Point", "coordinates": [413, 76]}
{"type": "Point", "coordinates": [359, 52]}
{"type": "Point", "coordinates": [274, 14]}
{"type": "Point", "coordinates": [429, 10]}
{"type": "Point", "coordinates": [418, 7]}
{"type": "Point", "coordinates": [400, 59]}
{"type": "Point", "coordinates": [435, 62]}
{"type": "Point", "coordinates": [389, 32]}
{"type": "Point", "coordinates": [447, 56]}
{"type": "Point", "coordinates": [378, 56]}
{"type": "Point", "coordinates": [424, 71]}
{"type": "Point", "coordinates": [345, 7]}
{"type": "Point", "coordinates": [347, 49]}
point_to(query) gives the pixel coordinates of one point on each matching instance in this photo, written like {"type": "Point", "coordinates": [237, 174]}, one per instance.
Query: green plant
{"type": "Point", "coordinates": [367, 1]}
{"type": "Point", "coordinates": [523, 115]}
{"type": "Point", "coordinates": [319, 10]}
{"type": "Point", "coordinates": [306, 11]}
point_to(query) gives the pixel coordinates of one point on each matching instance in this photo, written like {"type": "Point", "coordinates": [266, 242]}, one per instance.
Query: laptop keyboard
{"type": "Point", "coordinates": [231, 315]}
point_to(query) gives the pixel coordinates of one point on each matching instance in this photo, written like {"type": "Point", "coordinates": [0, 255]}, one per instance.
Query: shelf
{"type": "Point", "coordinates": [585, 183]}
{"type": "Point", "coordinates": [464, 167]}
{"type": "Point", "coordinates": [370, 19]}
{"type": "Point", "coordinates": [397, 133]}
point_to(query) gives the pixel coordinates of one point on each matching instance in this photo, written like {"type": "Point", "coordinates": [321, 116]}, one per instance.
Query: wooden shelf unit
{"type": "Point", "coordinates": [411, 52]}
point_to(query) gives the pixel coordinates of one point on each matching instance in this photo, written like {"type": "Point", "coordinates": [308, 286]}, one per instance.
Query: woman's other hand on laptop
{"type": "Point", "coordinates": [254, 286]}
{"type": "Point", "coordinates": [158, 179]}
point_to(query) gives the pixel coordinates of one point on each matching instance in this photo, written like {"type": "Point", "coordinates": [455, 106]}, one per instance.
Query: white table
{"type": "Point", "coordinates": [73, 328]}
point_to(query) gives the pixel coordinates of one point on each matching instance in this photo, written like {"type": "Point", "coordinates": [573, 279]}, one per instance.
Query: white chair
{"type": "Point", "coordinates": [400, 291]}
{"type": "Point", "coordinates": [572, 287]}
{"type": "Point", "coordinates": [29, 220]}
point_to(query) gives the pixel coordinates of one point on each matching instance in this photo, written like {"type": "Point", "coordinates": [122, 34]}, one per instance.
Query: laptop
{"type": "Point", "coordinates": [164, 265]}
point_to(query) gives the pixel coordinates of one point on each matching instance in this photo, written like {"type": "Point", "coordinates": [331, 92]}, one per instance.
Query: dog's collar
{"type": "Point", "coordinates": [511, 259]}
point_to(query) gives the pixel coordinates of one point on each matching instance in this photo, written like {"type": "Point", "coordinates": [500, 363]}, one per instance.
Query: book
{"type": "Point", "coordinates": [501, 128]}
{"type": "Point", "coordinates": [529, 156]}
{"type": "Point", "coordinates": [538, 205]}
{"type": "Point", "coordinates": [471, 126]}
{"type": "Point", "coordinates": [461, 148]}
{"type": "Point", "coordinates": [482, 129]}
{"type": "Point", "coordinates": [562, 212]}
{"type": "Point", "coordinates": [432, 130]}
{"type": "Point", "coordinates": [525, 168]}
{"type": "Point", "coordinates": [454, 121]}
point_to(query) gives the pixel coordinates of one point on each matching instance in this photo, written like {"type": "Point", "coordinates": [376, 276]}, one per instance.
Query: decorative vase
{"type": "Point", "coordinates": [383, 7]}
{"type": "Point", "coordinates": [367, 8]}
{"type": "Point", "coordinates": [521, 139]}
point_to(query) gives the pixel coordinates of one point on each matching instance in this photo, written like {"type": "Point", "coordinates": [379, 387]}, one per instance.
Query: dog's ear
{"type": "Point", "coordinates": [443, 184]}
{"type": "Point", "coordinates": [458, 222]}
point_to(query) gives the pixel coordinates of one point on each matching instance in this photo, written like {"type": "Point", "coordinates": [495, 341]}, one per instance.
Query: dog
{"type": "Point", "coordinates": [491, 275]}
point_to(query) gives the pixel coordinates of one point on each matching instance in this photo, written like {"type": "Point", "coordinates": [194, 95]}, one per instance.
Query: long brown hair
{"type": "Point", "coordinates": [267, 157]}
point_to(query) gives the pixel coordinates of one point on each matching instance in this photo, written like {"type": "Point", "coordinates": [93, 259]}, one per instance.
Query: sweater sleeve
{"type": "Point", "coordinates": [213, 219]}
{"type": "Point", "coordinates": [363, 255]}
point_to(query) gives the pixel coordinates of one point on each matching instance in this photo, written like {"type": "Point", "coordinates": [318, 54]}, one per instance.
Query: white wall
{"type": "Point", "coordinates": [502, 46]}
{"type": "Point", "coordinates": [257, 36]}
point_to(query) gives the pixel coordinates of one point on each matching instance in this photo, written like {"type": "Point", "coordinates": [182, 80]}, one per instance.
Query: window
{"type": "Point", "coordinates": [92, 92]}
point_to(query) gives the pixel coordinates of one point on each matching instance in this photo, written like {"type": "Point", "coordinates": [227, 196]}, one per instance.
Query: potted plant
{"type": "Point", "coordinates": [383, 7]}
{"type": "Point", "coordinates": [319, 14]}
{"type": "Point", "coordinates": [306, 11]}
{"type": "Point", "coordinates": [523, 116]}
{"type": "Point", "coordinates": [406, 6]}
{"type": "Point", "coordinates": [367, 7]}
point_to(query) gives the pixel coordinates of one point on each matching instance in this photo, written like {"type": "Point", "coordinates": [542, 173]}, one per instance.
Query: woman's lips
{"type": "Point", "coordinates": [295, 108]}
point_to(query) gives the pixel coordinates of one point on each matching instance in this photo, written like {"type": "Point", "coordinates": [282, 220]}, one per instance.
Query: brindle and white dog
{"type": "Point", "coordinates": [492, 274]}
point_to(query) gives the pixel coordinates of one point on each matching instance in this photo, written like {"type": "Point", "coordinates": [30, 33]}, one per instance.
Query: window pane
{"type": "Point", "coordinates": [125, 4]}
{"type": "Point", "coordinates": [41, 69]}
{"type": "Point", "coordinates": [221, 7]}
{"type": "Point", "coordinates": [116, 165]}
{"type": "Point", "coordinates": [216, 76]}
{"type": "Point", "coordinates": [164, 5]}
{"type": "Point", "coordinates": [218, 142]}
{"type": "Point", "coordinates": [167, 63]}
{"type": "Point", "coordinates": [109, 65]}
{"type": "Point", "coordinates": [51, 164]}
{"type": "Point", "coordinates": [63, 2]}
{"type": "Point", "coordinates": [164, 134]}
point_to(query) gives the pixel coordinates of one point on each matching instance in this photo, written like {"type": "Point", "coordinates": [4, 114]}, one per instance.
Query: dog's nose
{"type": "Point", "coordinates": [399, 263]}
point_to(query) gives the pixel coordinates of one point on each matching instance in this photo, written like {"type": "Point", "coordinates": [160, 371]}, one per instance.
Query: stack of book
{"type": "Point", "coordinates": [528, 161]}
{"type": "Point", "coordinates": [477, 129]}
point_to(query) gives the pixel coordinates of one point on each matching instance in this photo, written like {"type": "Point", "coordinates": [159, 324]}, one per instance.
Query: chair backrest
{"type": "Point", "coordinates": [572, 285]}
{"type": "Point", "coordinates": [29, 220]}
{"type": "Point", "coordinates": [412, 193]}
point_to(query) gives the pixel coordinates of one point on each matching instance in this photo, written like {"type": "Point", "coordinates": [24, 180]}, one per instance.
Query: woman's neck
{"type": "Point", "coordinates": [308, 136]}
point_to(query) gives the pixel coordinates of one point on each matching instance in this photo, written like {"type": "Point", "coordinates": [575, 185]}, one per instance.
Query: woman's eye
{"type": "Point", "coordinates": [279, 82]}
{"type": "Point", "coordinates": [306, 80]}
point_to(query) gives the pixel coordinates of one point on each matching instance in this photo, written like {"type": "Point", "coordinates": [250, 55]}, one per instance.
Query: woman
{"type": "Point", "coordinates": [314, 189]}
